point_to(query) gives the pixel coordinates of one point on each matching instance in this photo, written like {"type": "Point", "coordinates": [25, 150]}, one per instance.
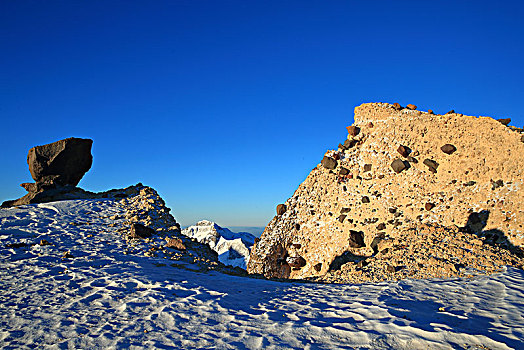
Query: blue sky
{"type": "Point", "coordinates": [225, 106]}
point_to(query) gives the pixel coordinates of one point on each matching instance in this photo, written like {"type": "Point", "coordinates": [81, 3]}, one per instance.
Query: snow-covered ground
{"type": "Point", "coordinates": [232, 247]}
{"type": "Point", "coordinates": [103, 298]}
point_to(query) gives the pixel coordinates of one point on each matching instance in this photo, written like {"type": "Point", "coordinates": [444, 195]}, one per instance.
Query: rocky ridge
{"type": "Point", "coordinates": [400, 172]}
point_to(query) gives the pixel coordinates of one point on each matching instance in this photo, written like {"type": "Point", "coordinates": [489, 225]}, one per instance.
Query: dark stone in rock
{"type": "Point", "coordinates": [353, 130]}
{"type": "Point", "coordinates": [345, 210]}
{"type": "Point", "coordinates": [392, 210]}
{"type": "Point", "coordinates": [430, 111]}
{"type": "Point", "coordinates": [61, 163]}
{"type": "Point", "coordinates": [350, 143]}
{"type": "Point", "coordinates": [367, 167]}
{"type": "Point", "coordinates": [431, 164]}
{"type": "Point", "coordinates": [451, 112]}
{"type": "Point", "coordinates": [175, 243]}
{"type": "Point", "coordinates": [140, 231]}
{"type": "Point", "coordinates": [370, 125]}
{"type": "Point", "coordinates": [497, 184]}
{"type": "Point", "coordinates": [318, 267]}
{"type": "Point", "coordinates": [412, 159]}
{"type": "Point", "coordinates": [297, 227]}
{"type": "Point", "coordinates": [296, 261]}
{"type": "Point", "coordinates": [412, 107]}
{"type": "Point", "coordinates": [356, 239]}
{"type": "Point", "coordinates": [329, 163]}
{"type": "Point", "coordinates": [365, 199]}
{"type": "Point", "coordinates": [428, 206]}
{"type": "Point", "coordinates": [470, 183]}
{"type": "Point", "coordinates": [296, 245]}
{"type": "Point", "coordinates": [381, 226]}
{"type": "Point", "coordinates": [403, 150]}
{"type": "Point", "coordinates": [397, 106]}
{"type": "Point", "coordinates": [448, 148]}
{"type": "Point", "coordinates": [341, 218]}
{"type": "Point", "coordinates": [398, 165]}
{"type": "Point", "coordinates": [343, 171]}
{"type": "Point", "coordinates": [522, 138]}
{"type": "Point", "coordinates": [504, 121]}
{"type": "Point", "coordinates": [281, 209]}
{"type": "Point", "coordinates": [391, 269]}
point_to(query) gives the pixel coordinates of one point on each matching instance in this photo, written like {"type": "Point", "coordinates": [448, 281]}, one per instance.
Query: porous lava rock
{"type": "Point", "coordinates": [397, 199]}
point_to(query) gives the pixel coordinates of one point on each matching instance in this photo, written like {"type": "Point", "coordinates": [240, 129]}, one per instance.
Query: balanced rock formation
{"type": "Point", "coordinates": [56, 168]}
{"type": "Point", "coordinates": [62, 162]}
{"type": "Point", "coordinates": [403, 169]}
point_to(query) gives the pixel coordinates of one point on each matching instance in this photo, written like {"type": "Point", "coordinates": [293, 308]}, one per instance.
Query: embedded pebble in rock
{"type": "Point", "coordinates": [428, 206]}
{"type": "Point", "coordinates": [329, 163]}
{"type": "Point", "coordinates": [397, 106]}
{"type": "Point", "coordinates": [448, 149]}
{"type": "Point", "coordinates": [397, 199]}
{"type": "Point", "coordinates": [353, 130]}
{"type": "Point", "coordinates": [403, 151]}
{"type": "Point", "coordinates": [281, 209]}
{"type": "Point", "coordinates": [412, 107]}
{"type": "Point", "coordinates": [431, 164]}
{"type": "Point", "coordinates": [398, 165]}
{"type": "Point", "coordinates": [430, 111]}
{"type": "Point", "coordinates": [451, 112]}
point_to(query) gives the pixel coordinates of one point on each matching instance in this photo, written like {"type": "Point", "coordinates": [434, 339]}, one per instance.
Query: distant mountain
{"type": "Point", "coordinates": [254, 230]}
{"type": "Point", "coordinates": [233, 248]}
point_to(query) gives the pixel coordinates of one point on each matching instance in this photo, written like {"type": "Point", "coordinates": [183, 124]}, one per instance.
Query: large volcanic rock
{"type": "Point", "coordinates": [62, 162]}
{"type": "Point", "coordinates": [328, 209]}
{"type": "Point", "coordinates": [57, 168]}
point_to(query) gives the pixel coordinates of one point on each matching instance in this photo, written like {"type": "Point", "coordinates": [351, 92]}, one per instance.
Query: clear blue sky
{"type": "Point", "coordinates": [225, 106]}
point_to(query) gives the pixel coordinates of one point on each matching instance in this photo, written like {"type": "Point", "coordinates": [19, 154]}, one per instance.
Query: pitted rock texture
{"type": "Point", "coordinates": [459, 186]}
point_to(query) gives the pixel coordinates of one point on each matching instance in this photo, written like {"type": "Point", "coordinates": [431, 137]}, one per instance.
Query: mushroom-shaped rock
{"type": "Point", "coordinates": [329, 163]}
{"type": "Point", "coordinates": [398, 165]}
{"type": "Point", "coordinates": [296, 261]}
{"type": "Point", "coordinates": [62, 162]}
{"type": "Point", "coordinates": [448, 148]}
{"type": "Point", "coordinates": [281, 209]}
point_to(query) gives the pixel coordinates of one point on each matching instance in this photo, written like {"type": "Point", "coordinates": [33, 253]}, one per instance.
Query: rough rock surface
{"type": "Point", "coordinates": [62, 162]}
{"type": "Point", "coordinates": [459, 187]}
{"type": "Point", "coordinates": [57, 168]}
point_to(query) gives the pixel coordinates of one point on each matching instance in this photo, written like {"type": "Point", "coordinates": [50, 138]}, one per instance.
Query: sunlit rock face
{"type": "Point", "coordinates": [397, 168]}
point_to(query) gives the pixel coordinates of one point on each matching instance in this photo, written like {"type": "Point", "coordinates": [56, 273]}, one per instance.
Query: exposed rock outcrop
{"type": "Point", "coordinates": [56, 168]}
{"type": "Point", "coordinates": [454, 186]}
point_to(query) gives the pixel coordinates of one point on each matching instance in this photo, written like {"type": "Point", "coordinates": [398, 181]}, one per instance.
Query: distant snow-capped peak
{"type": "Point", "coordinates": [232, 247]}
